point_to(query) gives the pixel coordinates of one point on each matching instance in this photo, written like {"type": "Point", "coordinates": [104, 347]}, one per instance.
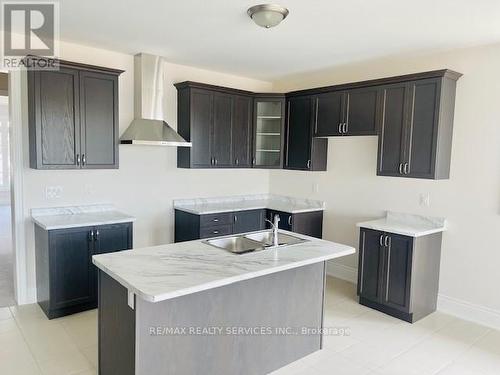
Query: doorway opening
{"type": "Point", "coordinates": [6, 251]}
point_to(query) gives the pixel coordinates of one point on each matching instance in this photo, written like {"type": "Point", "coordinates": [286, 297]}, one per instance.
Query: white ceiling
{"type": "Point", "coordinates": [218, 34]}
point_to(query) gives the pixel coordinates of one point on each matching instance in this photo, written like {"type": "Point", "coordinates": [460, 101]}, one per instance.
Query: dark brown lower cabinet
{"type": "Point", "coordinates": [399, 275]}
{"type": "Point", "coordinates": [307, 223]}
{"type": "Point", "coordinates": [66, 277]}
{"type": "Point", "coordinates": [189, 226]}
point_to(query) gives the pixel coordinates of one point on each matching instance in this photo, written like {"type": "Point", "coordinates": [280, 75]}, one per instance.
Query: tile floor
{"type": "Point", "coordinates": [377, 344]}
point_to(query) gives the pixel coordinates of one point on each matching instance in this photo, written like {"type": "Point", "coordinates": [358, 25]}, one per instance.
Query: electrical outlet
{"type": "Point", "coordinates": [425, 199]}
{"type": "Point", "coordinates": [53, 192]}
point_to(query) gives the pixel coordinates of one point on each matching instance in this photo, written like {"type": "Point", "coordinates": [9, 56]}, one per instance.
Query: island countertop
{"type": "Point", "coordinates": [167, 271]}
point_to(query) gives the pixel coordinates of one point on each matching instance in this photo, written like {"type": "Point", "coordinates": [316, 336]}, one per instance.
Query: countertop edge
{"type": "Point", "coordinates": [84, 224]}
{"type": "Point", "coordinates": [259, 207]}
{"type": "Point", "coordinates": [226, 281]}
{"type": "Point", "coordinates": [387, 228]}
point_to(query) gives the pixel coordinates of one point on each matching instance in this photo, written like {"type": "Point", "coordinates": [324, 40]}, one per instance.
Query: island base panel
{"type": "Point", "coordinates": [116, 329]}
{"type": "Point", "coordinates": [279, 304]}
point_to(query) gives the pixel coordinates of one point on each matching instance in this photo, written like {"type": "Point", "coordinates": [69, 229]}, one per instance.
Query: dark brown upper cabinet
{"type": "Point", "coordinates": [268, 130]}
{"type": "Point", "coordinates": [361, 111]}
{"type": "Point", "coordinates": [230, 128]}
{"type": "Point", "coordinates": [242, 132]}
{"type": "Point", "coordinates": [218, 122]}
{"type": "Point", "coordinates": [222, 130]}
{"type": "Point", "coordinates": [329, 114]}
{"type": "Point", "coordinates": [73, 117]}
{"type": "Point", "coordinates": [352, 112]}
{"type": "Point", "coordinates": [416, 127]}
{"type": "Point", "coordinates": [302, 151]}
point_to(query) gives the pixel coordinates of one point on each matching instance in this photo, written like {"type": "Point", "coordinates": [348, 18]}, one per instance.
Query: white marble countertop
{"type": "Point", "coordinates": [78, 216]}
{"type": "Point", "coordinates": [163, 272]}
{"type": "Point", "coordinates": [202, 206]}
{"type": "Point", "coordinates": [406, 224]}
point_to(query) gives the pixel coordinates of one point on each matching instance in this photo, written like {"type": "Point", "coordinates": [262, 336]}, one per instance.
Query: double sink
{"type": "Point", "coordinates": [257, 241]}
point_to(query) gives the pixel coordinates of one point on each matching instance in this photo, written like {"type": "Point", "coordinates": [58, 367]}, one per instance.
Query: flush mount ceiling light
{"type": "Point", "coordinates": [267, 15]}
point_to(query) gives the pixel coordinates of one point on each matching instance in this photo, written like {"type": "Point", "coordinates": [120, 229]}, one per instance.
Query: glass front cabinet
{"type": "Point", "coordinates": [269, 120]}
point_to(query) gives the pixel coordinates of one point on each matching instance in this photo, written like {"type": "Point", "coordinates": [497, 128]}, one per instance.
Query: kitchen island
{"type": "Point", "coordinates": [192, 308]}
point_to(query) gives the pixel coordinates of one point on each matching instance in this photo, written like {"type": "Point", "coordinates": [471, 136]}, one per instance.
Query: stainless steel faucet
{"type": "Point", "coordinates": [275, 227]}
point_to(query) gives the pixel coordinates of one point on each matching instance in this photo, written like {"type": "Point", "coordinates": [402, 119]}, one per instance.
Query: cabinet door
{"type": "Point", "coordinates": [398, 272]}
{"type": "Point", "coordinates": [248, 221]}
{"type": "Point", "coordinates": [370, 265]}
{"type": "Point", "coordinates": [113, 237]}
{"type": "Point", "coordinates": [285, 219]}
{"type": "Point", "coordinates": [268, 132]}
{"type": "Point", "coordinates": [298, 138]}
{"type": "Point", "coordinates": [328, 114]}
{"type": "Point", "coordinates": [201, 128]}
{"type": "Point", "coordinates": [392, 131]}
{"type": "Point", "coordinates": [222, 125]}
{"type": "Point", "coordinates": [54, 118]}
{"type": "Point", "coordinates": [423, 125]}
{"type": "Point", "coordinates": [109, 239]}
{"type": "Point", "coordinates": [361, 111]}
{"type": "Point", "coordinates": [99, 120]}
{"type": "Point", "coordinates": [242, 139]}
{"type": "Point", "coordinates": [308, 223]}
{"type": "Point", "coordinates": [70, 260]}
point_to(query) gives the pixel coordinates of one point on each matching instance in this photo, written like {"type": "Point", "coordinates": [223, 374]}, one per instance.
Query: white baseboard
{"type": "Point", "coordinates": [342, 272]}
{"type": "Point", "coordinates": [469, 311]}
{"type": "Point", "coordinates": [449, 305]}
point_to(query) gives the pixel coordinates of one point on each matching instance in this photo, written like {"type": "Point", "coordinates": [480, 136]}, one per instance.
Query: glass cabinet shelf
{"type": "Point", "coordinates": [269, 116]}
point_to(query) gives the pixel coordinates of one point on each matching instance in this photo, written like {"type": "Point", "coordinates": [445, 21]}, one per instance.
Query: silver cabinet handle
{"type": "Point", "coordinates": [346, 127]}
{"type": "Point", "coordinates": [84, 159]}
{"type": "Point", "coordinates": [309, 164]}
{"type": "Point", "coordinates": [253, 160]}
{"type": "Point", "coordinates": [400, 168]}
{"type": "Point", "coordinates": [406, 168]}
{"type": "Point", "coordinates": [97, 234]}
{"type": "Point", "coordinates": [78, 159]}
{"type": "Point", "coordinates": [216, 220]}
{"type": "Point", "coordinates": [381, 240]}
{"type": "Point", "coordinates": [215, 161]}
{"type": "Point", "coordinates": [386, 241]}
{"type": "Point", "coordinates": [340, 128]}
{"type": "Point", "coordinates": [237, 161]}
{"type": "Point", "coordinates": [290, 220]}
{"type": "Point", "coordinates": [91, 235]}
{"type": "Point", "coordinates": [235, 218]}
{"type": "Point", "coordinates": [215, 232]}
{"type": "Point", "coordinates": [211, 161]}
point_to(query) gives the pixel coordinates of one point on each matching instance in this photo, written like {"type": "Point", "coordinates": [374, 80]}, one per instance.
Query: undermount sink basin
{"type": "Point", "coordinates": [236, 244]}
{"type": "Point", "coordinates": [267, 238]}
{"type": "Point", "coordinates": [257, 241]}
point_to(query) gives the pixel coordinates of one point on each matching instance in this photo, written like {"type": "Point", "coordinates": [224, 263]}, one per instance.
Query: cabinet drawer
{"type": "Point", "coordinates": [216, 231]}
{"type": "Point", "coordinates": [216, 219]}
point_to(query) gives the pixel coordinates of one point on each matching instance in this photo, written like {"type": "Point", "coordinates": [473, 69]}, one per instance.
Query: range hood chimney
{"type": "Point", "coordinates": [149, 126]}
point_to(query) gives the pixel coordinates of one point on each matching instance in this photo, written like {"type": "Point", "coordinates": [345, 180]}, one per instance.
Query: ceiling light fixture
{"type": "Point", "coordinates": [267, 15]}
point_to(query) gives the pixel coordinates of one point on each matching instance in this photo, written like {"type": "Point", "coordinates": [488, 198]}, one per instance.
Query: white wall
{"type": "Point", "coordinates": [470, 199]}
{"type": "Point", "coordinates": [147, 180]}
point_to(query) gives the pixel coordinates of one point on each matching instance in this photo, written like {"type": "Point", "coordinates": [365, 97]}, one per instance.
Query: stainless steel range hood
{"type": "Point", "coordinates": [149, 126]}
